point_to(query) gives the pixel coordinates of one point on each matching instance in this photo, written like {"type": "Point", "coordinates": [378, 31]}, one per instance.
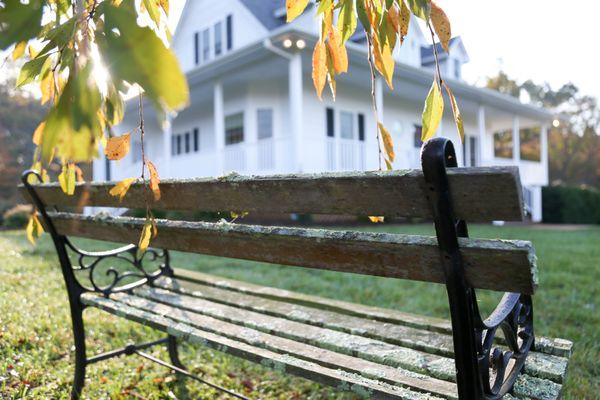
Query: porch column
{"type": "Point", "coordinates": [219, 124]}
{"type": "Point", "coordinates": [516, 140]}
{"type": "Point", "coordinates": [379, 97]}
{"type": "Point", "coordinates": [482, 136]}
{"type": "Point", "coordinates": [167, 142]}
{"type": "Point", "coordinates": [296, 112]}
{"type": "Point", "coordinates": [544, 150]}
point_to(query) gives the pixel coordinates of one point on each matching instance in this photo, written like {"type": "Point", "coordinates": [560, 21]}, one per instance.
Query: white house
{"type": "Point", "coordinates": [254, 109]}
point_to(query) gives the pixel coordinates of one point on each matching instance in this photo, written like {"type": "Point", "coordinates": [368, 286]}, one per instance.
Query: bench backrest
{"type": "Point", "coordinates": [478, 195]}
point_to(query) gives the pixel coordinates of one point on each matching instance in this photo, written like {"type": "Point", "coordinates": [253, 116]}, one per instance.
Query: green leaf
{"type": "Point", "coordinates": [362, 15]}
{"type": "Point", "coordinates": [421, 8]}
{"type": "Point", "coordinates": [19, 22]}
{"type": "Point", "coordinates": [136, 55]}
{"type": "Point", "coordinates": [324, 5]}
{"type": "Point", "coordinates": [30, 70]}
{"type": "Point", "coordinates": [346, 19]}
{"type": "Point", "coordinates": [432, 114]}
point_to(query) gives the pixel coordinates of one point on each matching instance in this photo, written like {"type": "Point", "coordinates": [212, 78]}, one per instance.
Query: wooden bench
{"type": "Point", "coordinates": [373, 352]}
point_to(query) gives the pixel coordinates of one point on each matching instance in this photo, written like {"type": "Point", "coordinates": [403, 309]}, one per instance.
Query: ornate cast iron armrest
{"type": "Point", "coordinates": [91, 260]}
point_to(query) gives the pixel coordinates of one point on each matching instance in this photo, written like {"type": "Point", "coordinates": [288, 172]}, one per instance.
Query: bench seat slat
{"type": "Point", "coordinates": [500, 265]}
{"type": "Point", "coordinates": [479, 194]}
{"type": "Point", "coordinates": [539, 363]}
{"type": "Point", "coordinates": [281, 336]}
{"type": "Point", "coordinates": [340, 379]}
{"type": "Point", "coordinates": [187, 278]}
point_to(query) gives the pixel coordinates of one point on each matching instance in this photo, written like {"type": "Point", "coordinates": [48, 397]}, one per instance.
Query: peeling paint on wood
{"type": "Point", "coordinates": [480, 194]}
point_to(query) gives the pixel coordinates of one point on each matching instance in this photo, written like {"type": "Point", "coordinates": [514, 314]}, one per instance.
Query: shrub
{"type": "Point", "coordinates": [570, 205]}
{"type": "Point", "coordinates": [17, 216]}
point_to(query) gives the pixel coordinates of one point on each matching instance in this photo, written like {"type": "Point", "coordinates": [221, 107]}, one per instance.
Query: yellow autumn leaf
{"type": "Point", "coordinates": [388, 143]}
{"type": "Point", "coordinates": [432, 114]}
{"type": "Point", "coordinates": [66, 179]}
{"type": "Point", "coordinates": [393, 17]}
{"type": "Point", "coordinates": [117, 147]}
{"type": "Point", "coordinates": [34, 228]}
{"type": "Point", "coordinates": [441, 25]}
{"type": "Point", "coordinates": [338, 51]}
{"type": "Point", "coordinates": [37, 134]}
{"type": "Point", "coordinates": [236, 215]}
{"type": "Point", "coordinates": [376, 220]}
{"type": "Point", "coordinates": [145, 237]}
{"type": "Point", "coordinates": [404, 20]}
{"type": "Point", "coordinates": [384, 61]}
{"type": "Point", "coordinates": [319, 67]}
{"type": "Point", "coordinates": [458, 120]}
{"type": "Point", "coordinates": [295, 8]}
{"type": "Point", "coordinates": [121, 188]}
{"type": "Point", "coordinates": [19, 50]}
{"type": "Point", "coordinates": [331, 74]}
{"type": "Point", "coordinates": [47, 87]}
{"type": "Point", "coordinates": [154, 180]}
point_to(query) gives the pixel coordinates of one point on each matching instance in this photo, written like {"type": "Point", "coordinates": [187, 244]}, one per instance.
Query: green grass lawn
{"type": "Point", "coordinates": [35, 342]}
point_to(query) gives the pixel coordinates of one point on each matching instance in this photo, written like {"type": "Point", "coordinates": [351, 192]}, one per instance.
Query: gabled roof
{"type": "Point", "coordinates": [266, 11]}
{"type": "Point", "coordinates": [427, 56]}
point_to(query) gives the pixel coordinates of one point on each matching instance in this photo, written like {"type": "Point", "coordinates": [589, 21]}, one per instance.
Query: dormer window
{"type": "Point", "coordinates": [213, 41]}
{"type": "Point", "coordinates": [218, 38]}
{"type": "Point", "coordinates": [457, 67]}
{"type": "Point", "coordinates": [205, 45]}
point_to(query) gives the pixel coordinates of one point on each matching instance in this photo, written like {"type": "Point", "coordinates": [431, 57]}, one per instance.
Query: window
{"type": "Point", "coordinates": [417, 142]}
{"type": "Point", "coordinates": [234, 129]}
{"type": "Point", "coordinates": [173, 145]}
{"type": "Point", "coordinates": [229, 28]}
{"type": "Point", "coordinates": [361, 127]}
{"type": "Point", "coordinates": [187, 142]}
{"type": "Point", "coordinates": [178, 147]}
{"type": "Point", "coordinates": [330, 123]}
{"type": "Point", "coordinates": [530, 144]}
{"type": "Point", "coordinates": [264, 121]}
{"type": "Point", "coordinates": [346, 125]}
{"type": "Point", "coordinates": [218, 38]}
{"type": "Point", "coordinates": [457, 66]}
{"type": "Point", "coordinates": [136, 151]}
{"type": "Point", "coordinates": [472, 151]}
{"type": "Point", "coordinates": [205, 45]}
{"type": "Point", "coordinates": [503, 144]}
{"type": "Point", "coordinates": [196, 139]}
{"type": "Point", "coordinates": [197, 48]}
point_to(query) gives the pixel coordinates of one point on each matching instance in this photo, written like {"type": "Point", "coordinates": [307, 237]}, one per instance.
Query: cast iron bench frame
{"type": "Point", "coordinates": [474, 349]}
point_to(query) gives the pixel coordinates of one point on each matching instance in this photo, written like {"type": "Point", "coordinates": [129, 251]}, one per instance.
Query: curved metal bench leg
{"type": "Point", "coordinates": [80, 356]}
{"type": "Point", "coordinates": [174, 352]}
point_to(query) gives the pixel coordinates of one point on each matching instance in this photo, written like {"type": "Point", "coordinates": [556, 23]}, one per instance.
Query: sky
{"type": "Point", "coordinates": [545, 40]}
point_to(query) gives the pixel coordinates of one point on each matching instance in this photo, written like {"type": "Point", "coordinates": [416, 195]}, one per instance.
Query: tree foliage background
{"type": "Point", "coordinates": [574, 147]}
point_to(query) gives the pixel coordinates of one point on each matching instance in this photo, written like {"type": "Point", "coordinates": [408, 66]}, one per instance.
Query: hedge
{"type": "Point", "coordinates": [570, 205]}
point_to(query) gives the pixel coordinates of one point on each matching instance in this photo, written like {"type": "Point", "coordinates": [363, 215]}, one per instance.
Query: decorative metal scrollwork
{"type": "Point", "coordinates": [109, 279]}
{"type": "Point", "coordinates": [501, 359]}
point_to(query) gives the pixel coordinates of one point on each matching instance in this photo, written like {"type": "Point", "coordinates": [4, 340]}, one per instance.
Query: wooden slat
{"type": "Point", "coordinates": [489, 264]}
{"type": "Point", "coordinates": [342, 380]}
{"type": "Point", "coordinates": [538, 364]}
{"type": "Point", "coordinates": [552, 346]}
{"type": "Point", "coordinates": [479, 194]}
{"type": "Point", "coordinates": [275, 337]}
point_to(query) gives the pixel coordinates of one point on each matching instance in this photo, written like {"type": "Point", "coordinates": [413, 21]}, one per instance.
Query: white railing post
{"type": "Point", "coordinates": [296, 112]}
{"type": "Point", "coordinates": [167, 146]}
{"type": "Point", "coordinates": [219, 125]}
